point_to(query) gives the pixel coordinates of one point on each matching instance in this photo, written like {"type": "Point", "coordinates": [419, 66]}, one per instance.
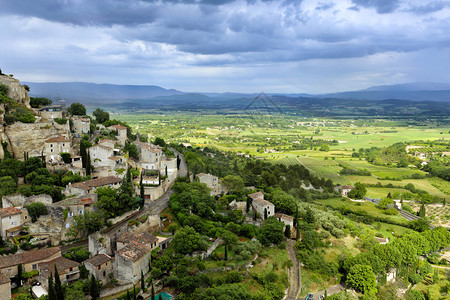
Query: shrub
{"type": "Point", "coordinates": [35, 210]}
{"type": "Point", "coordinates": [60, 121]}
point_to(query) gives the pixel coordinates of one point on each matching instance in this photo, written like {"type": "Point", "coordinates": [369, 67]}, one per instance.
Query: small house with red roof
{"type": "Point", "coordinates": [100, 266]}
{"type": "Point", "coordinates": [76, 206]}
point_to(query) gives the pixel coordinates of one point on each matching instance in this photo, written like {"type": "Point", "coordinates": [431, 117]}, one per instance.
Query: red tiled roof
{"type": "Point", "coordinates": [257, 195]}
{"type": "Point", "coordinates": [142, 238]}
{"type": "Point", "coordinates": [27, 257]}
{"type": "Point", "coordinates": [101, 181]}
{"type": "Point", "coordinates": [120, 127]}
{"type": "Point", "coordinates": [283, 216]}
{"type": "Point", "coordinates": [62, 264]}
{"type": "Point", "coordinates": [103, 147]}
{"type": "Point", "coordinates": [80, 200]}
{"type": "Point", "coordinates": [98, 260]}
{"type": "Point", "coordinates": [9, 211]}
{"type": "Point", "coordinates": [56, 138]}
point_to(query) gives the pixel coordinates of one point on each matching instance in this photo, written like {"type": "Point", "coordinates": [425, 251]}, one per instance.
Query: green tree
{"type": "Point", "coordinates": [7, 185]}
{"type": "Point", "coordinates": [77, 109]}
{"type": "Point", "coordinates": [233, 182]}
{"type": "Point", "coordinates": [36, 102]}
{"type": "Point", "coordinates": [186, 240]}
{"type": "Point", "coordinates": [58, 287]}
{"type": "Point", "coordinates": [153, 292]}
{"type": "Point", "coordinates": [287, 231]}
{"type": "Point", "coordinates": [159, 141]}
{"type": "Point", "coordinates": [272, 232]}
{"type": "Point", "coordinates": [358, 192]}
{"type": "Point", "coordinates": [362, 279]}
{"type": "Point", "coordinates": [87, 223]}
{"type": "Point", "coordinates": [35, 210]}
{"type": "Point", "coordinates": [88, 164]}
{"type": "Point", "coordinates": [422, 211]}
{"type": "Point", "coordinates": [100, 115]}
{"type": "Point", "coordinates": [142, 281]}
{"type": "Point", "coordinates": [19, 275]}
{"type": "Point", "coordinates": [94, 288]}
{"type": "Point", "coordinates": [51, 288]}
{"type": "Point", "coordinates": [132, 150]}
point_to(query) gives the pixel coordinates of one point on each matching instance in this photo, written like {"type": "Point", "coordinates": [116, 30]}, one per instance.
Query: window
{"type": "Point", "coordinates": [99, 267]}
{"type": "Point", "coordinates": [67, 225]}
{"type": "Point", "coordinates": [51, 150]}
{"type": "Point", "coordinates": [9, 271]}
{"type": "Point", "coordinates": [64, 145]}
{"type": "Point", "coordinates": [51, 145]}
{"type": "Point", "coordinates": [13, 223]}
{"type": "Point", "coordinates": [104, 273]}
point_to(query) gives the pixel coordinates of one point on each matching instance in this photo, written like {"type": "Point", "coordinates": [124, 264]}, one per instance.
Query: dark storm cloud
{"type": "Point", "coordinates": [381, 6]}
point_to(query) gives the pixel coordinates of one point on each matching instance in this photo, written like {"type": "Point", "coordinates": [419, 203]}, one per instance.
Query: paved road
{"type": "Point", "coordinates": [295, 275]}
{"type": "Point", "coordinates": [182, 172]}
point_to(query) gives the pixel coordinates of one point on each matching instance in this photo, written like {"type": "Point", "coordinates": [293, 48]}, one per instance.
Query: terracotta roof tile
{"type": "Point", "coordinates": [62, 264]}
{"type": "Point", "coordinates": [27, 257]}
{"type": "Point", "coordinates": [120, 127]}
{"type": "Point", "coordinates": [133, 251]}
{"type": "Point", "coordinates": [144, 238]}
{"type": "Point", "coordinates": [98, 260]}
{"type": "Point", "coordinates": [257, 195]}
{"type": "Point", "coordinates": [283, 216]}
{"type": "Point", "coordinates": [101, 181]}
{"type": "Point", "coordinates": [9, 211]}
{"type": "Point", "coordinates": [80, 200]}
{"type": "Point", "coordinates": [4, 279]}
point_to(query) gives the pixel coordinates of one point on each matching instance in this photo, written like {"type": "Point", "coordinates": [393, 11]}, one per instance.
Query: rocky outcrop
{"type": "Point", "coordinates": [17, 92]}
{"type": "Point", "coordinates": [50, 225]}
{"type": "Point", "coordinates": [30, 137]}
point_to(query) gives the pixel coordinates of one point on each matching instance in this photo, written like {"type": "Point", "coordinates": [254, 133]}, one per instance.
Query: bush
{"type": "Point", "coordinates": [415, 278]}
{"type": "Point", "coordinates": [233, 277]}
{"type": "Point", "coordinates": [391, 212]}
{"type": "Point", "coordinates": [60, 121]}
{"type": "Point", "coordinates": [35, 210]}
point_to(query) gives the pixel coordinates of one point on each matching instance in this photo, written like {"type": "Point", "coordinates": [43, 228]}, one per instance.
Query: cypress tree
{"type": "Point", "coordinates": [94, 288]}
{"type": "Point", "coordinates": [88, 164]}
{"type": "Point", "coordinates": [142, 282]}
{"type": "Point", "coordinates": [134, 292]}
{"type": "Point", "coordinates": [167, 173]}
{"type": "Point", "coordinates": [58, 287]}
{"type": "Point", "coordinates": [265, 213]}
{"type": "Point", "coordinates": [19, 274]}
{"type": "Point", "coordinates": [128, 295]}
{"type": "Point", "coordinates": [83, 154]}
{"type": "Point", "coordinates": [422, 211]}
{"type": "Point", "coordinates": [51, 288]}
{"type": "Point", "coordinates": [153, 292]}
{"type": "Point", "coordinates": [141, 186]}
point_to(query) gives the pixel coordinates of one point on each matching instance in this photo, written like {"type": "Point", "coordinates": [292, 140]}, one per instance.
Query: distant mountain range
{"type": "Point", "coordinates": [92, 93]}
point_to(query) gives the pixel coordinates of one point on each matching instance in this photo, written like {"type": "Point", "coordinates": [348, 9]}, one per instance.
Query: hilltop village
{"type": "Point", "coordinates": [91, 210]}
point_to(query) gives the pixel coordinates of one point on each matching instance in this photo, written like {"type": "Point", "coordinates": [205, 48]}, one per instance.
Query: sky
{"type": "Point", "coordinates": [283, 46]}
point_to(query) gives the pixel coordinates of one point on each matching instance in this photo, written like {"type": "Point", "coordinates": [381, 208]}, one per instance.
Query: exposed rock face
{"type": "Point", "coordinates": [16, 91]}
{"type": "Point", "coordinates": [30, 137]}
{"type": "Point", "coordinates": [50, 225]}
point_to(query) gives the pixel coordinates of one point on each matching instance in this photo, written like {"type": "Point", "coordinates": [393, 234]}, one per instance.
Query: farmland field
{"type": "Point", "coordinates": [291, 140]}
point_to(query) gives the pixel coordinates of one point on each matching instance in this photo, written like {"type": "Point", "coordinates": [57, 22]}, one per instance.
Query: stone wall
{"type": "Point", "coordinates": [16, 91]}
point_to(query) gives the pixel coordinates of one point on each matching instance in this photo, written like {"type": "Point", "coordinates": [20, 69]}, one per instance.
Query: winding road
{"type": "Point", "coordinates": [295, 273]}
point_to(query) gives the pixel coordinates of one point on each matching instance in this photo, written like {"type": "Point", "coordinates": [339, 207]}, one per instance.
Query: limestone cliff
{"type": "Point", "coordinates": [17, 92]}
{"type": "Point", "coordinates": [30, 137]}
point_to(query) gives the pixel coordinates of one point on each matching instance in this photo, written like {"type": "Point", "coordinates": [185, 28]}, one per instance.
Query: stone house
{"type": "Point", "coordinates": [68, 270]}
{"type": "Point", "coordinates": [89, 186]}
{"type": "Point", "coordinates": [28, 259]}
{"type": "Point", "coordinates": [16, 91]}
{"type": "Point", "coordinates": [286, 219]}
{"type": "Point", "coordinates": [213, 183]}
{"type": "Point", "coordinates": [81, 125]}
{"type": "Point", "coordinates": [239, 205]}
{"type": "Point", "coordinates": [54, 146]}
{"type": "Point", "coordinates": [143, 238]}
{"type": "Point", "coordinates": [344, 189]}
{"type": "Point", "coordinates": [150, 155]}
{"type": "Point", "coordinates": [107, 143]}
{"type": "Point", "coordinates": [259, 204]}
{"type": "Point", "coordinates": [130, 261]}
{"type": "Point", "coordinates": [100, 154]}
{"type": "Point", "coordinates": [10, 217]}
{"type": "Point", "coordinates": [100, 266]}
{"type": "Point", "coordinates": [121, 133]}
{"type": "Point", "coordinates": [76, 206]}
{"type": "Point", "coordinates": [5, 286]}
